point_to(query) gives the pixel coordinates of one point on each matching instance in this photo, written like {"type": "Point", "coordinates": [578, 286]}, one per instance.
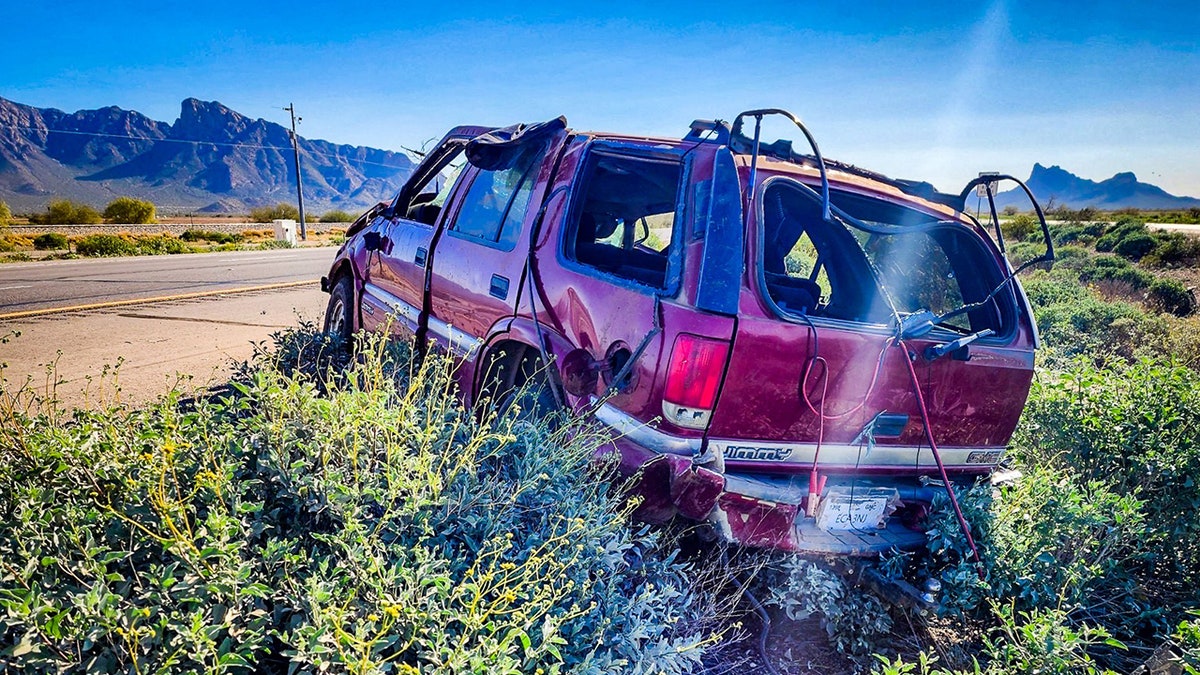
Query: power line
{"type": "Point", "coordinates": [192, 142]}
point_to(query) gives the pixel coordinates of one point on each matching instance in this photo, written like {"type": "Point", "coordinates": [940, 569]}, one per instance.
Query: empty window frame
{"type": "Point", "coordinates": [429, 197]}
{"type": "Point", "coordinates": [838, 271]}
{"type": "Point", "coordinates": [625, 220]}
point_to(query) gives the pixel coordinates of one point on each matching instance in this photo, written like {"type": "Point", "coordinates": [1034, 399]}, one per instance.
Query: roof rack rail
{"type": "Point", "coordinates": [782, 149]}
{"type": "Point", "coordinates": [701, 127]}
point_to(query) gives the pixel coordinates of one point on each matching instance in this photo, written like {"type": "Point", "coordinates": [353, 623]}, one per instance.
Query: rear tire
{"type": "Point", "coordinates": [519, 384]}
{"type": "Point", "coordinates": [339, 313]}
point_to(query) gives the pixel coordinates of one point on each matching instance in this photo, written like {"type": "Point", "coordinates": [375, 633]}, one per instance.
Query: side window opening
{"type": "Point", "coordinates": [495, 204]}
{"type": "Point", "coordinates": [625, 219]}
{"type": "Point", "coordinates": [837, 271]}
{"type": "Point", "coordinates": [810, 266]}
{"type": "Point", "coordinates": [430, 196]}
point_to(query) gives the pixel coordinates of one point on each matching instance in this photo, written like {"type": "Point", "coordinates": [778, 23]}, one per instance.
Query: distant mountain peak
{"type": "Point", "coordinates": [1056, 185]}
{"type": "Point", "coordinates": [213, 158]}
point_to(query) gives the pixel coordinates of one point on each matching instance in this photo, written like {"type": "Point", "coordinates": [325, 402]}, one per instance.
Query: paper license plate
{"type": "Point", "coordinates": [846, 513]}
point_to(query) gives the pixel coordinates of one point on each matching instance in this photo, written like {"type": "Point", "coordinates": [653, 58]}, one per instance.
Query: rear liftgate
{"type": "Point", "coordinates": [800, 513]}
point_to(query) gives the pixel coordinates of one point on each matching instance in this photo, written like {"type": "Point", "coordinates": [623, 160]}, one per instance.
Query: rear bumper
{"type": "Point", "coordinates": [758, 508]}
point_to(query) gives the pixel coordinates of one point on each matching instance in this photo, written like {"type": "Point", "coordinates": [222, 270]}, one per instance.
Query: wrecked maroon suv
{"type": "Point", "coordinates": [796, 351]}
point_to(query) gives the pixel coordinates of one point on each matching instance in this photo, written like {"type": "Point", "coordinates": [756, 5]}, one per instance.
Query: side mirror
{"type": "Point", "coordinates": [372, 241]}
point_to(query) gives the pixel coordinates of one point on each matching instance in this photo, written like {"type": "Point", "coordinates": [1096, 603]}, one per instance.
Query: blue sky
{"type": "Point", "coordinates": [932, 90]}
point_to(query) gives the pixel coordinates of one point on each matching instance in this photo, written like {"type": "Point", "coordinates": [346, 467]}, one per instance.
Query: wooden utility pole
{"type": "Point", "coordinates": [296, 152]}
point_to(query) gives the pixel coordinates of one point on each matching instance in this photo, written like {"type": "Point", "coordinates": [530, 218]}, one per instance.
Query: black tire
{"type": "Point", "coordinates": [520, 385]}
{"type": "Point", "coordinates": [339, 313]}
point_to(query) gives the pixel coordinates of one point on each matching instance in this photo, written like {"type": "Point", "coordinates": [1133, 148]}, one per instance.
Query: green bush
{"type": "Point", "coordinates": [5, 214]}
{"type": "Point", "coordinates": [1137, 428]}
{"type": "Point", "coordinates": [127, 210]}
{"type": "Point", "coordinates": [1019, 228]}
{"type": "Point", "coordinates": [377, 527]}
{"type": "Point", "coordinates": [1173, 249]}
{"type": "Point", "coordinates": [163, 244]}
{"type": "Point", "coordinates": [1079, 553]}
{"type": "Point", "coordinates": [275, 243]}
{"type": "Point", "coordinates": [1021, 252]}
{"type": "Point", "coordinates": [66, 212]}
{"type": "Point", "coordinates": [1084, 233]}
{"type": "Point", "coordinates": [1170, 295]}
{"type": "Point", "coordinates": [855, 620]}
{"type": "Point", "coordinates": [337, 216]}
{"type": "Point", "coordinates": [281, 211]}
{"type": "Point", "coordinates": [215, 237]}
{"type": "Point", "coordinates": [1073, 320]}
{"type": "Point", "coordinates": [1135, 246]}
{"type": "Point", "coordinates": [1037, 642]}
{"type": "Point", "coordinates": [50, 241]}
{"type": "Point", "coordinates": [1113, 268]}
{"type": "Point", "coordinates": [104, 245]}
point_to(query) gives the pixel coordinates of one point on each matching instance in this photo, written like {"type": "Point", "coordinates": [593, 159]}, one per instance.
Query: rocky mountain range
{"type": "Point", "coordinates": [212, 159]}
{"type": "Point", "coordinates": [1055, 186]}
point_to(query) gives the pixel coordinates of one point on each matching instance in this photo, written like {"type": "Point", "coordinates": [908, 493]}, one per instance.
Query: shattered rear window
{"type": "Point", "coordinates": [908, 262]}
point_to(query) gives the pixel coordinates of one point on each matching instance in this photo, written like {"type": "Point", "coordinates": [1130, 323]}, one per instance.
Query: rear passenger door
{"type": "Point", "coordinates": [480, 252]}
{"type": "Point", "coordinates": [619, 290]}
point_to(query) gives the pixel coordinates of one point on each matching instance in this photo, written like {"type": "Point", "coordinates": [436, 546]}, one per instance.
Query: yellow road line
{"type": "Point", "coordinates": [143, 301]}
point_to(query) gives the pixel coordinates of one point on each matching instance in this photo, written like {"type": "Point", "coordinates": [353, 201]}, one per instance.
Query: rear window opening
{"type": "Point", "coordinates": [839, 271]}
{"type": "Point", "coordinates": [625, 220]}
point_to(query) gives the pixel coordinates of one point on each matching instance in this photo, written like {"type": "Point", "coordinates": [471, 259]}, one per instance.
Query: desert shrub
{"type": "Point", "coordinates": [275, 243]}
{"type": "Point", "coordinates": [50, 241]}
{"type": "Point", "coordinates": [209, 235]}
{"type": "Point", "coordinates": [1021, 252]}
{"type": "Point", "coordinates": [337, 216]}
{"type": "Point", "coordinates": [5, 214]}
{"type": "Point", "coordinates": [1076, 233]}
{"type": "Point", "coordinates": [127, 210]}
{"type": "Point", "coordinates": [1074, 321]}
{"type": "Point", "coordinates": [7, 244]}
{"type": "Point", "coordinates": [377, 527]}
{"type": "Point", "coordinates": [1170, 295]}
{"type": "Point", "coordinates": [104, 245]}
{"type": "Point", "coordinates": [1184, 335]}
{"type": "Point", "coordinates": [855, 620]}
{"type": "Point", "coordinates": [1019, 228]}
{"type": "Point", "coordinates": [1173, 249]}
{"type": "Point", "coordinates": [1037, 642]}
{"type": "Point", "coordinates": [1113, 268]}
{"type": "Point", "coordinates": [1137, 428]}
{"type": "Point", "coordinates": [1187, 640]}
{"type": "Point", "coordinates": [1135, 246]}
{"type": "Point", "coordinates": [281, 211]}
{"type": "Point", "coordinates": [160, 244]}
{"type": "Point", "coordinates": [66, 212]}
{"type": "Point", "coordinates": [1078, 553]}
{"type": "Point", "coordinates": [1125, 227]}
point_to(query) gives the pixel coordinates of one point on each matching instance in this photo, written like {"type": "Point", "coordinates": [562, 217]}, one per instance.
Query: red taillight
{"type": "Point", "coordinates": [695, 371]}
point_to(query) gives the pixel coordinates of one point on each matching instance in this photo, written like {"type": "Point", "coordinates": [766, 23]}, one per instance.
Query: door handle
{"type": "Point", "coordinates": [499, 287]}
{"type": "Point", "coordinates": [420, 257]}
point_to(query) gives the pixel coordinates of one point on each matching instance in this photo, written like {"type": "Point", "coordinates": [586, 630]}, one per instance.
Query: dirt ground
{"type": "Point", "coordinates": [134, 354]}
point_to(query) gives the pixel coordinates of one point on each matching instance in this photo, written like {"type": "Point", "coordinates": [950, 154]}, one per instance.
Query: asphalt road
{"type": "Point", "coordinates": [139, 346]}
{"type": "Point", "coordinates": [69, 283]}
